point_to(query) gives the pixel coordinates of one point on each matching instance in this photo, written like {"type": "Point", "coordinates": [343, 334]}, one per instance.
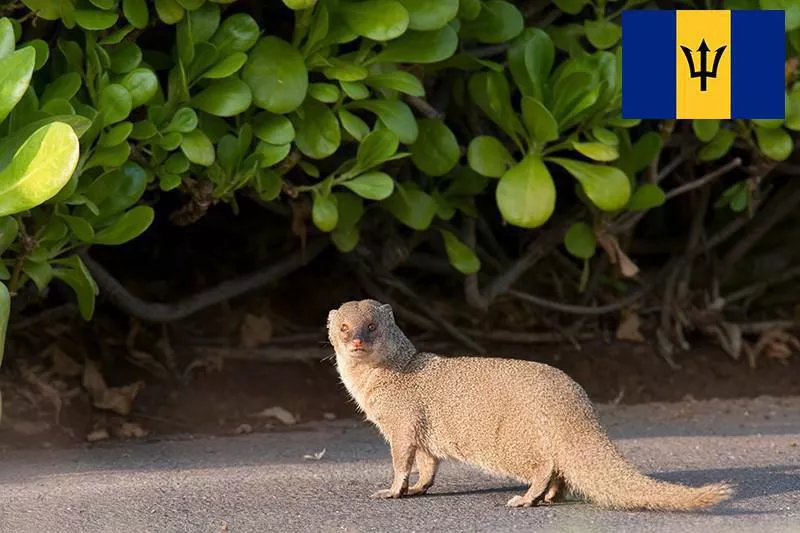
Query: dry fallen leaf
{"type": "Point", "coordinates": [63, 364]}
{"type": "Point", "coordinates": [243, 429]}
{"type": "Point", "coordinates": [628, 329]}
{"type": "Point", "coordinates": [329, 416]}
{"type": "Point", "coordinates": [98, 435]}
{"type": "Point", "coordinates": [117, 399]}
{"type": "Point", "coordinates": [279, 413]}
{"type": "Point", "coordinates": [131, 430]}
{"type": "Point", "coordinates": [611, 245]}
{"type": "Point", "coordinates": [255, 331]}
{"type": "Point", "coordinates": [315, 456]}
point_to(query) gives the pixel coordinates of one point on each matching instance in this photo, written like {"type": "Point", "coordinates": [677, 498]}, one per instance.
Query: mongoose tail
{"type": "Point", "coordinates": [595, 469]}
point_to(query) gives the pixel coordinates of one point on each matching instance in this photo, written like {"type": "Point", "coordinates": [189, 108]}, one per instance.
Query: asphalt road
{"type": "Point", "coordinates": [263, 482]}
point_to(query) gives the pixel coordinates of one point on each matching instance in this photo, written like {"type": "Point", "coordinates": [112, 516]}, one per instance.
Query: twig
{"type": "Point", "coordinates": [375, 292]}
{"type": "Point", "coordinates": [423, 107]}
{"type": "Point", "coordinates": [159, 312]}
{"type": "Point", "coordinates": [48, 315]}
{"type": "Point", "coordinates": [538, 249]}
{"type": "Point", "coordinates": [761, 327]}
{"type": "Point", "coordinates": [755, 288]}
{"type": "Point", "coordinates": [524, 337]}
{"type": "Point", "coordinates": [670, 167]}
{"type": "Point", "coordinates": [784, 204]}
{"type": "Point", "coordinates": [711, 176]}
{"type": "Point", "coordinates": [582, 309]}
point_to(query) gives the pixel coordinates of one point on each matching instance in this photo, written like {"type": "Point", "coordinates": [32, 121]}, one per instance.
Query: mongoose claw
{"type": "Point", "coordinates": [385, 494]}
{"type": "Point", "coordinates": [519, 501]}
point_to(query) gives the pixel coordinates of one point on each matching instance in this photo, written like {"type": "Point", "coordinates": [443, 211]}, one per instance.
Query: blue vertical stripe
{"type": "Point", "coordinates": [758, 58]}
{"type": "Point", "coordinates": [648, 64]}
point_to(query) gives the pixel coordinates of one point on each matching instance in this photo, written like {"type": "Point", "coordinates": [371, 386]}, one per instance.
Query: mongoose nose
{"type": "Point", "coordinates": [358, 343]}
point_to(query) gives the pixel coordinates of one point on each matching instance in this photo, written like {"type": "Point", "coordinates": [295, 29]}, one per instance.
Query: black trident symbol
{"type": "Point", "coordinates": [703, 73]}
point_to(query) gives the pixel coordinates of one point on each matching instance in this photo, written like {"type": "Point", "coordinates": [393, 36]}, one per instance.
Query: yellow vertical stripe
{"type": "Point", "coordinates": [692, 27]}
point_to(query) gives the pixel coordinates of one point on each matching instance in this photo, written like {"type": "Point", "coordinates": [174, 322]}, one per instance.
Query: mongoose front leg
{"type": "Point", "coordinates": [540, 478]}
{"type": "Point", "coordinates": [427, 465]}
{"type": "Point", "coordinates": [402, 459]}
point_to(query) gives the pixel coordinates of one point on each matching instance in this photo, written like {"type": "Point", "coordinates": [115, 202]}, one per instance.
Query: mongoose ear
{"type": "Point", "coordinates": [331, 316]}
{"type": "Point", "coordinates": [386, 309]}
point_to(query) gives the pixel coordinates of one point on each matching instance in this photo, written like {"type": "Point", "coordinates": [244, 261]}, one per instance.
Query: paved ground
{"type": "Point", "coordinates": [263, 483]}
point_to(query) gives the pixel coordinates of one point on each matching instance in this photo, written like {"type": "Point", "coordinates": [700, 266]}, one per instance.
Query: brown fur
{"type": "Point", "coordinates": [524, 420]}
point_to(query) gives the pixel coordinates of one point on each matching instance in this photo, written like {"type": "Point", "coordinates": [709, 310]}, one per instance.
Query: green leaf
{"type": "Point", "coordinates": [169, 11]}
{"type": "Point", "coordinates": [596, 150]}
{"type": "Point", "coordinates": [411, 206]}
{"type": "Point", "coordinates": [5, 315]}
{"type": "Point", "coordinates": [115, 103]}
{"type": "Point", "coordinates": [718, 147]}
{"type": "Point", "coordinates": [65, 86]}
{"type": "Point", "coordinates": [436, 150]}
{"type": "Point", "coordinates": [526, 194]}
{"type": "Point", "coordinates": [197, 147]}
{"type": "Point", "coordinates": [74, 273]}
{"type": "Point", "coordinates": [113, 156]}
{"type": "Point", "coordinates": [79, 227]}
{"type": "Point", "coordinates": [317, 131]}
{"type": "Point", "coordinates": [607, 187]}
{"type": "Point", "coordinates": [327, 93]}
{"type": "Point", "coordinates": [205, 21]}
{"type": "Point", "coordinates": [420, 47]}
{"type": "Point", "coordinates": [272, 154]}
{"type": "Point", "coordinates": [9, 229]}
{"type": "Point", "coordinates": [40, 168]}
{"type": "Point", "coordinates": [116, 135]}
{"type": "Point", "coordinates": [268, 184]}
{"type": "Point", "coordinates": [461, 256]}
{"type": "Point", "coordinates": [344, 70]}
{"type": "Point", "coordinates": [397, 80]}
{"type": "Point", "coordinates": [355, 90]}
{"type": "Point", "coordinates": [776, 144]}
{"type": "Point", "coordinates": [299, 4]}
{"type": "Point", "coordinates": [394, 114]}
{"type": "Point", "coordinates": [8, 39]}
{"type": "Point", "coordinates": [427, 15]}
{"type": "Point", "coordinates": [541, 125]}
{"type": "Point", "coordinates": [127, 227]}
{"type": "Point", "coordinates": [530, 59]}
{"type": "Point", "coordinates": [602, 34]}
{"type": "Point", "coordinates": [125, 57]}
{"type": "Point", "coordinates": [277, 75]}
{"type": "Point", "coordinates": [353, 125]}
{"type": "Point", "coordinates": [646, 196]}
{"type": "Point", "coordinates": [793, 111]}
{"type": "Point", "coordinates": [15, 76]}
{"type": "Point", "coordinates": [605, 136]}
{"type": "Point", "coordinates": [227, 97]}
{"type": "Point", "coordinates": [40, 272]}
{"type": "Point", "coordinates": [371, 185]}
{"type": "Point", "coordinates": [487, 156]}
{"type": "Point", "coordinates": [274, 129]}
{"type": "Point", "coordinates": [142, 83]}
{"type": "Point", "coordinates": [573, 7]}
{"type": "Point", "coordinates": [376, 148]}
{"type": "Point", "coordinates": [93, 19]}
{"type": "Point", "coordinates": [379, 20]}
{"type": "Point", "coordinates": [791, 9]}
{"type": "Point", "coordinates": [237, 33]}
{"type": "Point", "coordinates": [469, 9]}
{"type": "Point", "coordinates": [183, 121]}
{"type": "Point", "coordinates": [136, 12]}
{"type": "Point", "coordinates": [580, 240]}
{"type": "Point", "coordinates": [705, 130]}
{"type": "Point", "coordinates": [324, 211]}
{"type": "Point", "coordinates": [499, 21]}
{"type": "Point", "coordinates": [490, 92]}
{"type": "Point", "coordinates": [345, 238]}
{"type": "Point", "coordinates": [227, 67]}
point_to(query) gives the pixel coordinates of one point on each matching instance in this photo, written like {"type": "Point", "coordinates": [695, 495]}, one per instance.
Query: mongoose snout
{"type": "Point", "coordinates": [430, 407]}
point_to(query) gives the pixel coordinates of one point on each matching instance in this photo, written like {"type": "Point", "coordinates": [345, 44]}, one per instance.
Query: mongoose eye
{"type": "Point", "coordinates": [372, 327]}
{"type": "Point", "coordinates": [344, 328]}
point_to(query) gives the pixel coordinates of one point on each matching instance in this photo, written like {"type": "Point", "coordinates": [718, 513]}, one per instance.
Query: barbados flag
{"type": "Point", "coordinates": [703, 64]}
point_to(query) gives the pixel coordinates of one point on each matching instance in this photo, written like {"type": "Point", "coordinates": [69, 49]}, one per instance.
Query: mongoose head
{"type": "Point", "coordinates": [363, 329]}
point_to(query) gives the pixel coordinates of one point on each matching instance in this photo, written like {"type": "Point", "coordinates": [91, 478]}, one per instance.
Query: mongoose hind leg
{"type": "Point", "coordinates": [553, 489]}
{"type": "Point", "coordinates": [540, 481]}
{"type": "Point", "coordinates": [427, 465]}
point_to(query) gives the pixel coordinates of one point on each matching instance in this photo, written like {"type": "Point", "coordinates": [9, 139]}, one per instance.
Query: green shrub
{"type": "Point", "coordinates": [327, 107]}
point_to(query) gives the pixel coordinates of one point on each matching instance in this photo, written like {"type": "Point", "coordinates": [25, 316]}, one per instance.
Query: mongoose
{"type": "Point", "coordinates": [520, 419]}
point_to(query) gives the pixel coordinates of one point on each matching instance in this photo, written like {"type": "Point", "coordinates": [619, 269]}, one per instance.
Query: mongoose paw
{"type": "Point", "coordinates": [519, 501]}
{"type": "Point", "coordinates": [416, 491]}
{"type": "Point", "coordinates": [385, 494]}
